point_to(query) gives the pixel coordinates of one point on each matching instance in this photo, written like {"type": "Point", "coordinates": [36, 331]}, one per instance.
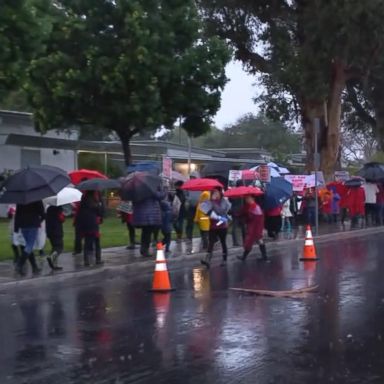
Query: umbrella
{"type": "Point", "coordinates": [201, 184]}
{"type": "Point", "coordinates": [98, 185]}
{"type": "Point", "coordinates": [278, 191]}
{"type": "Point", "coordinates": [140, 186]}
{"type": "Point", "coordinates": [65, 196]}
{"type": "Point", "coordinates": [354, 182]}
{"type": "Point", "coordinates": [281, 170]}
{"type": "Point", "coordinates": [85, 174]}
{"type": "Point", "coordinates": [243, 191]}
{"type": "Point", "coordinates": [219, 169]}
{"type": "Point", "coordinates": [33, 184]}
{"type": "Point", "coordinates": [145, 166]}
{"type": "Point", "coordinates": [373, 172]}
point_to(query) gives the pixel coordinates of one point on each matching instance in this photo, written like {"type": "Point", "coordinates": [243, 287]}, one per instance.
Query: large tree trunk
{"type": "Point", "coordinates": [125, 139]}
{"type": "Point", "coordinates": [329, 114]}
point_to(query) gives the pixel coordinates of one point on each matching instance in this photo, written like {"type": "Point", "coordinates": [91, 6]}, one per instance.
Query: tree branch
{"type": "Point", "coordinates": [360, 110]}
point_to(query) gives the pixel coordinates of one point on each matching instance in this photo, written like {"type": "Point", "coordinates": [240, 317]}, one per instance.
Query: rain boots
{"type": "Point", "coordinates": [20, 264]}
{"type": "Point", "coordinates": [224, 262]}
{"type": "Point", "coordinates": [35, 269]}
{"type": "Point", "coordinates": [244, 256]}
{"type": "Point", "coordinates": [98, 257]}
{"type": "Point", "coordinates": [52, 261]}
{"type": "Point", "coordinates": [207, 260]}
{"type": "Point", "coordinates": [263, 251]}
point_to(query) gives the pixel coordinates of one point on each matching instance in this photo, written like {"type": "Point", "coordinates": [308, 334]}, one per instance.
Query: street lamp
{"type": "Point", "coordinates": [316, 161]}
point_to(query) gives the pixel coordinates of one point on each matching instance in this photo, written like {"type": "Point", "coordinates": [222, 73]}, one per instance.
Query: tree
{"type": "Point", "coordinates": [305, 52]}
{"type": "Point", "coordinates": [23, 25]}
{"type": "Point", "coordinates": [128, 66]}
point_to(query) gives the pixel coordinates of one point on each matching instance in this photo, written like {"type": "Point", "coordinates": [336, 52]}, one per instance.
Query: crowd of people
{"type": "Point", "coordinates": [180, 211]}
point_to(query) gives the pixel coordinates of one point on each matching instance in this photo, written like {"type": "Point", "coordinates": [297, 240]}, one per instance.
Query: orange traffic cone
{"type": "Point", "coordinates": [161, 281]}
{"type": "Point", "coordinates": [309, 252]}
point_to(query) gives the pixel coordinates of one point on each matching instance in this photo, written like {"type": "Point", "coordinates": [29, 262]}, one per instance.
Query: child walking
{"type": "Point", "coordinates": [217, 208]}
{"type": "Point", "coordinates": [254, 220]}
{"type": "Point", "coordinates": [202, 219]}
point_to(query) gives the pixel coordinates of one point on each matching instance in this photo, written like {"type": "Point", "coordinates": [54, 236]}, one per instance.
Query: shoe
{"type": "Point", "coordinates": [204, 262]}
{"type": "Point", "coordinates": [241, 258]}
{"type": "Point", "coordinates": [223, 263]}
{"type": "Point", "coordinates": [50, 262]}
{"type": "Point", "coordinates": [99, 262]}
{"type": "Point", "coordinates": [131, 247]}
{"type": "Point", "coordinates": [57, 268]}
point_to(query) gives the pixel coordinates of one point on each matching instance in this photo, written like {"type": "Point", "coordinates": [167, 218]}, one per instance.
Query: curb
{"type": "Point", "coordinates": [126, 269]}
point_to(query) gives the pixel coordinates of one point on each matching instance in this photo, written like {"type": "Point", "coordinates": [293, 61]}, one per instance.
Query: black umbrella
{"type": "Point", "coordinates": [33, 184]}
{"type": "Point", "coordinates": [373, 172]}
{"type": "Point", "coordinates": [355, 182]}
{"type": "Point", "coordinates": [98, 185]}
{"type": "Point", "coordinates": [140, 186]}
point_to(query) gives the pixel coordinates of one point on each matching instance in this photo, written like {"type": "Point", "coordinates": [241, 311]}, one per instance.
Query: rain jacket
{"type": "Point", "coordinates": [148, 212]}
{"type": "Point", "coordinates": [201, 218]}
{"type": "Point", "coordinates": [254, 220]}
{"type": "Point", "coordinates": [217, 211]}
{"type": "Point", "coordinates": [356, 201]}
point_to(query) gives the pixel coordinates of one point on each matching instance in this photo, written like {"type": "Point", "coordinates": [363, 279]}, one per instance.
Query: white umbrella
{"type": "Point", "coordinates": [280, 170]}
{"type": "Point", "coordinates": [65, 196]}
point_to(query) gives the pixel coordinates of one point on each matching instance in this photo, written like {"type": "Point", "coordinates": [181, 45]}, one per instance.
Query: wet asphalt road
{"type": "Point", "coordinates": [111, 330]}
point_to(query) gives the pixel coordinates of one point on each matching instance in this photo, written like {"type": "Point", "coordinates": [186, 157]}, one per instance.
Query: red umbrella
{"type": "Point", "coordinates": [243, 191]}
{"type": "Point", "coordinates": [85, 174]}
{"type": "Point", "coordinates": [201, 184]}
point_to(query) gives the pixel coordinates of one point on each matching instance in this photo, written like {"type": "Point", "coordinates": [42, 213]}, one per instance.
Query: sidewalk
{"type": "Point", "coordinates": [120, 257]}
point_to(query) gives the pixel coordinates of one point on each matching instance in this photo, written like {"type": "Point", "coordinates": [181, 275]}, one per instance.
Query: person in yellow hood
{"type": "Point", "coordinates": [202, 219]}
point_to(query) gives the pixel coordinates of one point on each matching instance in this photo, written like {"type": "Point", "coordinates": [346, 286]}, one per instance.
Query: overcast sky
{"type": "Point", "coordinates": [236, 100]}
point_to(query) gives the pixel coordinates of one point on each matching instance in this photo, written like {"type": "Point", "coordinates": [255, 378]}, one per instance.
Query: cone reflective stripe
{"type": "Point", "coordinates": [161, 282]}
{"type": "Point", "coordinates": [309, 252]}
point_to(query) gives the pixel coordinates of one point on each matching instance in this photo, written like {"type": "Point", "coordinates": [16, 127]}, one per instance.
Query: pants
{"type": "Point", "coordinates": [57, 244]}
{"type": "Point", "coordinates": [78, 247]}
{"type": "Point", "coordinates": [131, 232]}
{"type": "Point", "coordinates": [237, 224]}
{"type": "Point", "coordinates": [344, 215]}
{"type": "Point", "coordinates": [204, 239]}
{"type": "Point", "coordinates": [380, 213]}
{"type": "Point", "coordinates": [251, 237]}
{"type": "Point", "coordinates": [146, 236]}
{"type": "Point", "coordinates": [286, 224]}
{"type": "Point", "coordinates": [155, 232]}
{"type": "Point", "coordinates": [91, 245]}
{"type": "Point", "coordinates": [370, 213]}
{"type": "Point", "coordinates": [178, 225]}
{"type": "Point", "coordinates": [218, 234]}
{"type": "Point", "coordinates": [273, 225]}
{"type": "Point", "coordinates": [190, 221]}
{"type": "Point", "coordinates": [311, 216]}
{"type": "Point", "coordinates": [167, 240]}
{"type": "Point", "coordinates": [30, 236]}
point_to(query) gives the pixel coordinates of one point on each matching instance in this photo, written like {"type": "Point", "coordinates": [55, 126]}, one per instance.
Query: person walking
{"type": "Point", "coordinates": [179, 219]}
{"type": "Point", "coordinates": [89, 219]}
{"type": "Point", "coordinates": [217, 209]}
{"type": "Point", "coordinates": [202, 219]}
{"type": "Point", "coordinates": [356, 204]}
{"type": "Point", "coordinates": [147, 216]}
{"type": "Point", "coordinates": [166, 223]}
{"type": "Point", "coordinates": [335, 208]}
{"type": "Point", "coordinates": [273, 222]}
{"type": "Point", "coordinates": [380, 204]}
{"type": "Point", "coordinates": [253, 216]}
{"type": "Point", "coordinates": [286, 217]}
{"type": "Point", "coordinates": [28, 219]}
{"type": "Point", "coordinates": [310, 206]}
{"type": "Point", "coordinates": [371, 190]}
{"type": "Point", "coordinates": [54, 226]}
{"type": "Point", "coordinates": [192, 200]}
{"type": "Point", "coordinates": [125, 210]}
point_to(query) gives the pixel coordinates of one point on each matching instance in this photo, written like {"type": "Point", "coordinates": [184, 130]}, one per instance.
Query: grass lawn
{"type": "Point", "coordinates": [113, 234]}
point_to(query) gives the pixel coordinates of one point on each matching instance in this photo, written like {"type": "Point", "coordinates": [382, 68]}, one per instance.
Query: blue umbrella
{"type": "Point", "coordinates": [277, 192]}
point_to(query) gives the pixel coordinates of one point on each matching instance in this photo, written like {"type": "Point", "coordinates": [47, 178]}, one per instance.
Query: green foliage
{"type": "Point", "coordinates": [99, 163]}
{"type": "Point", "coordinates": [128, 66]}
{"type": "Point", "coordinates": [295, 45]}
{"type": "Point", "coordinates": [23, 25]}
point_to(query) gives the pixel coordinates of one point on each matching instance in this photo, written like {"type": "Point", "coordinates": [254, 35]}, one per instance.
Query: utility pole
{"type": "Point", "coordinates": [316, 161]}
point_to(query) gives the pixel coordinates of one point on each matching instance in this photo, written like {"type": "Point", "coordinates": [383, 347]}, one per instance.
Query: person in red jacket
{"type": "Point", "coordinates": [253, 217]}
{"type": "Point", "coordinates": [356, 204]}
